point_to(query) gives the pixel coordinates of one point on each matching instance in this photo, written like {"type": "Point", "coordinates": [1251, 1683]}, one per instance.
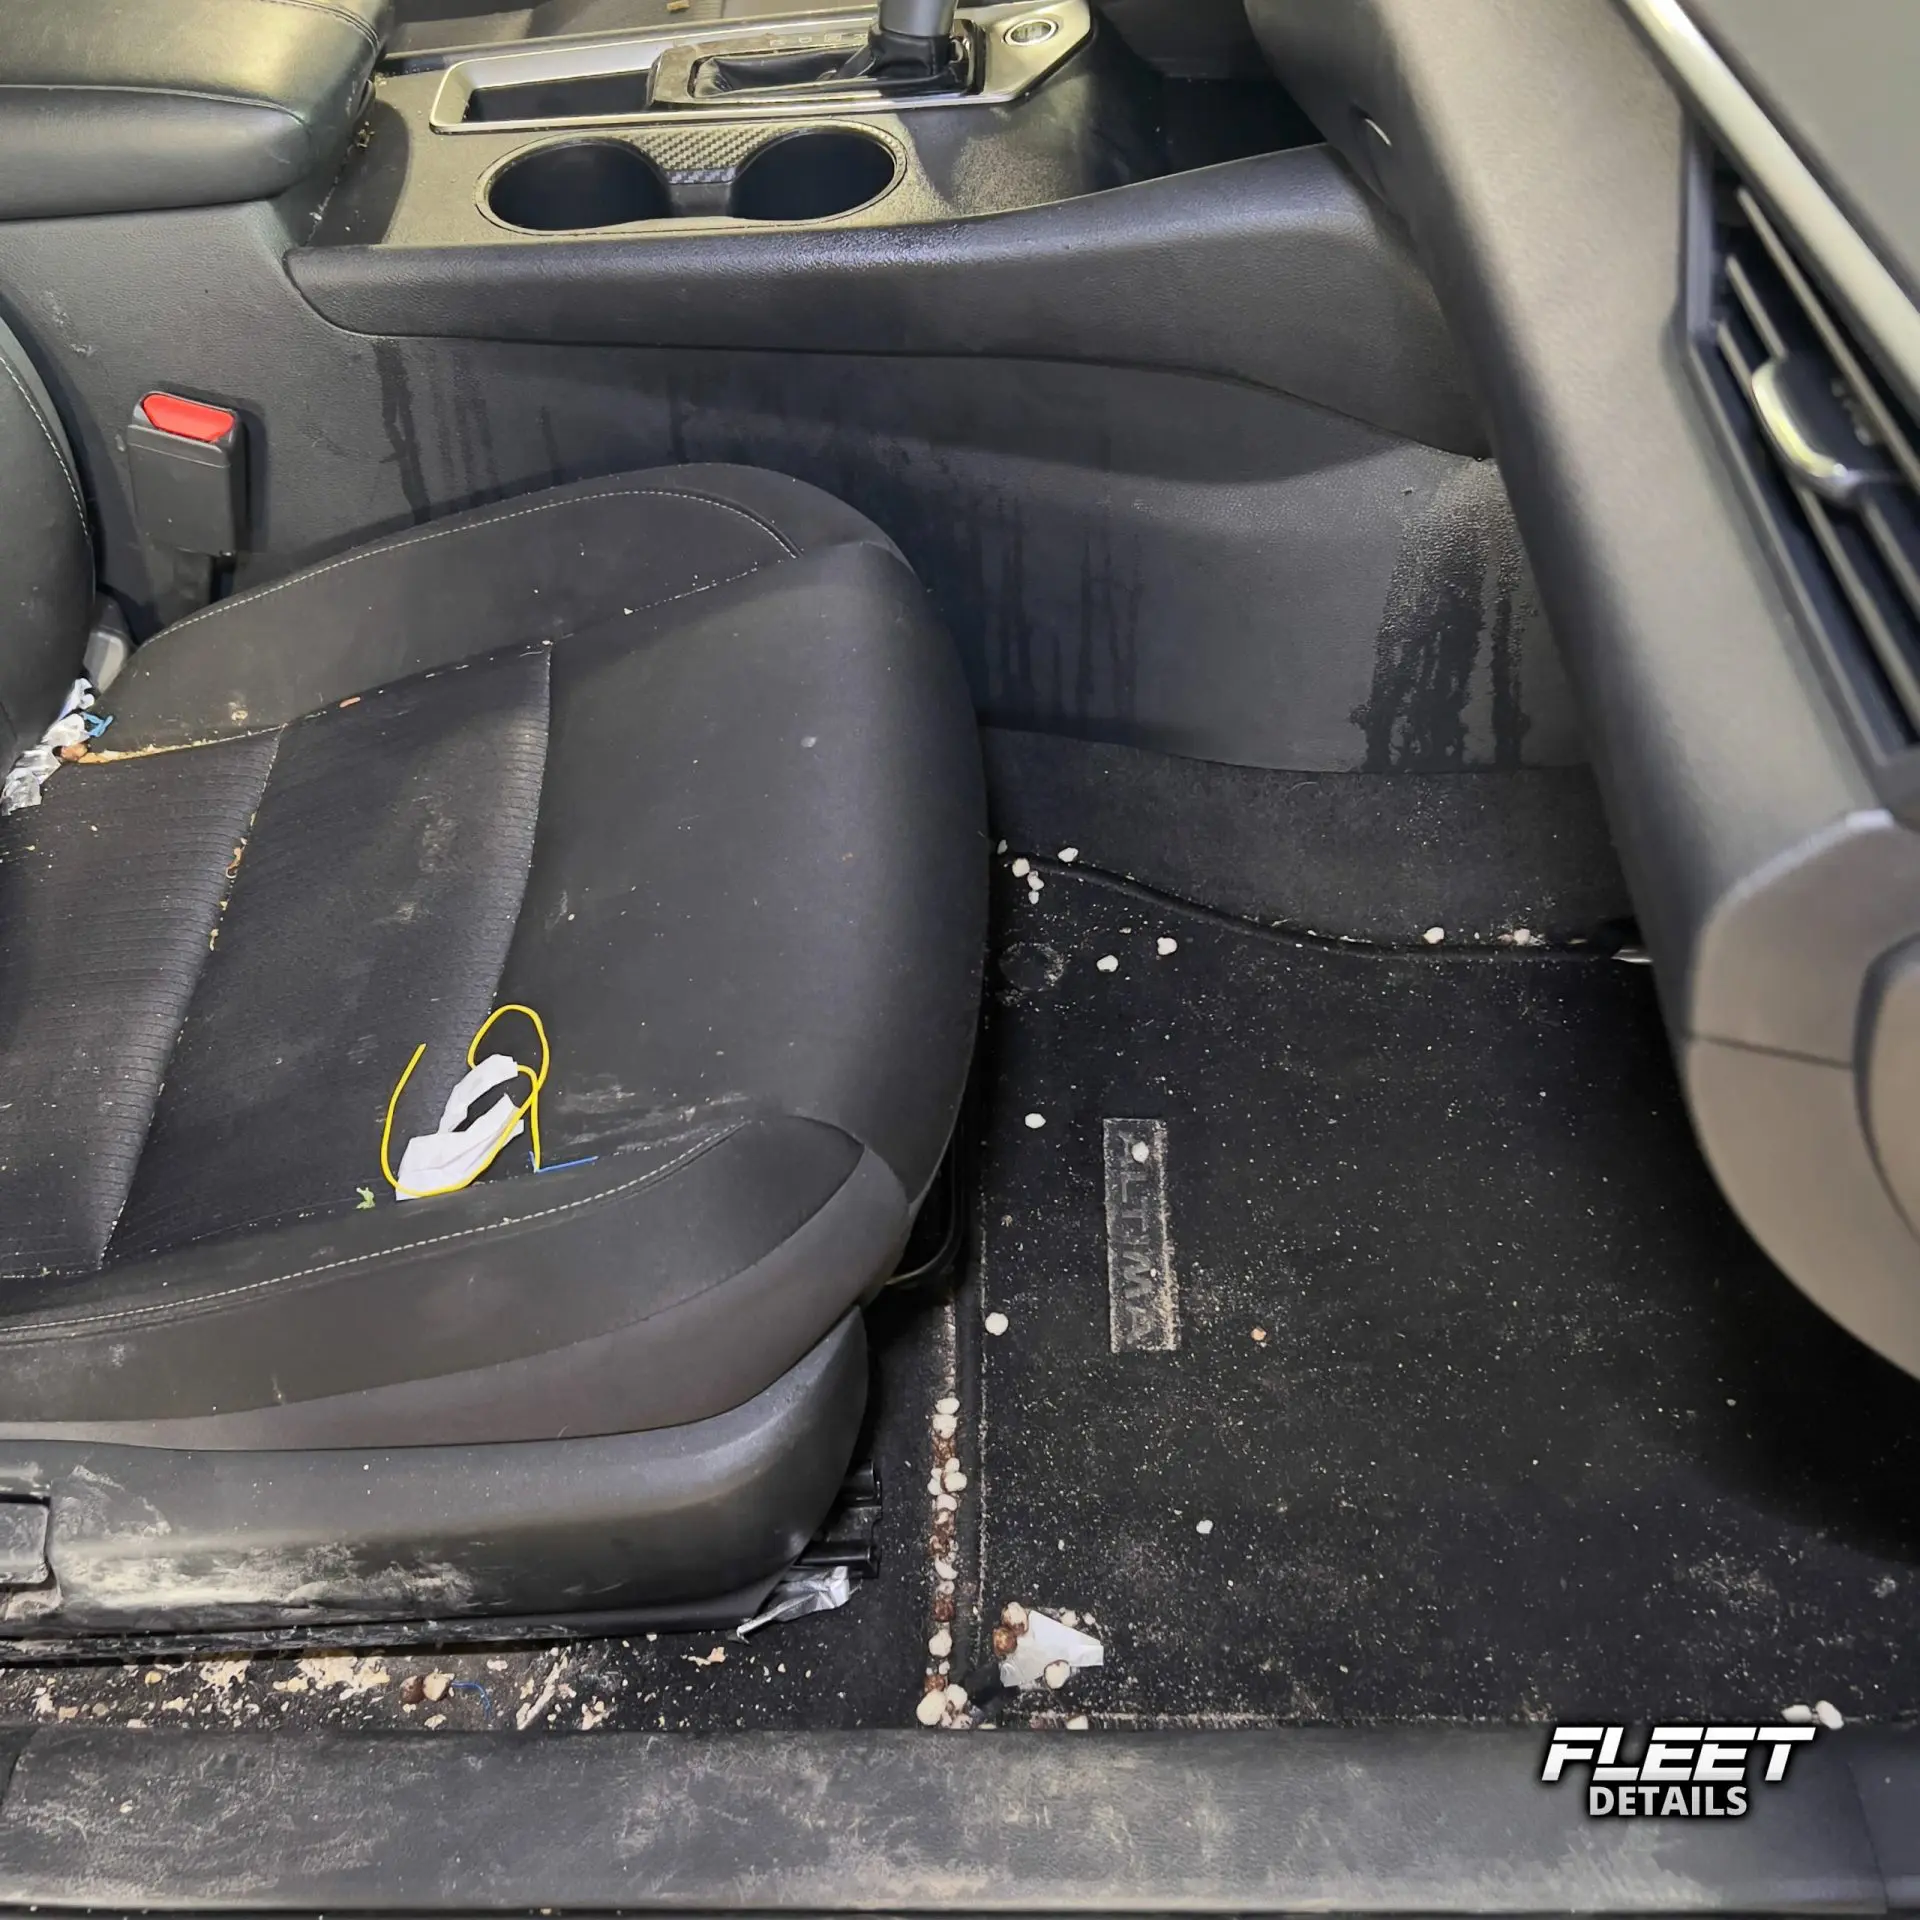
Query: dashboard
{"type": "Point", "coordinates": [1679, 243]}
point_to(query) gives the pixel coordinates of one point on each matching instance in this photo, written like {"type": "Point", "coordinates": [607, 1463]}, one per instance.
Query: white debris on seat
{"type": "Point", "coordinates": [34, 768]}
{"type": "Point", "coordinates": [997, 1323]}
{"type": "Point", "coordinates": [1163, 946]}
{"type": "Point", "coordinates": [1108, 963]}
{"type": "Point", "coordinates": [462, 1144]}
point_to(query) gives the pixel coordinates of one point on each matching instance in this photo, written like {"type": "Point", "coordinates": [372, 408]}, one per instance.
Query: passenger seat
{"type": "Point", "coordinates": [681, 760]}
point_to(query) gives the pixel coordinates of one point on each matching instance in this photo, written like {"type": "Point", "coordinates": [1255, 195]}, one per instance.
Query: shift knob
{"type": "Point", "coordinates": [917, 19]}
{"type": "Point", "coordinates": [911, 37]}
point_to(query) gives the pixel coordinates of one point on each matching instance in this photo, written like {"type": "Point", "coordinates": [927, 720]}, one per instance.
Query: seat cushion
{"type": "Point", "coordinates": [681, 760]}
{"type": "Point", "coordinates": [46, 560]}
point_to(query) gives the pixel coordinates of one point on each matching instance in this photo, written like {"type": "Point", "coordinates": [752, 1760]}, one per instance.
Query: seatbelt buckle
{"type": "Point", "coordinates": [188, 463]}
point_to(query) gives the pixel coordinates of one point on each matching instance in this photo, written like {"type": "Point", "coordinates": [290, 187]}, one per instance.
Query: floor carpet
{"type": "Point", "coordinates": [1482, 1407]}
{"type": "Point", "coordinates": [1372, 856]}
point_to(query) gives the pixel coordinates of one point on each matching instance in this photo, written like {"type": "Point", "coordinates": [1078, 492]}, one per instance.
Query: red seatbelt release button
{"type": "Point", "coordinates": [188, 419]}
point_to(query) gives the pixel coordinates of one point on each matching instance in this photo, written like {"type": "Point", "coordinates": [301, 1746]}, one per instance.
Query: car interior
{"type": "Point", "coordinates": [886, 870]}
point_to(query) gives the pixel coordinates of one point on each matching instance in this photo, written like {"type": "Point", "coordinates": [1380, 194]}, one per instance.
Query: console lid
{"type": "Point", "coordinates": [116, 106]}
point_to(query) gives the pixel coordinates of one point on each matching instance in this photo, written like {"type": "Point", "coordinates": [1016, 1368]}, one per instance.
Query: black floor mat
{"type": "Point", "coordinates": [1375, 856]}
{"type": "Point", "coordinates": [1483, 1406]}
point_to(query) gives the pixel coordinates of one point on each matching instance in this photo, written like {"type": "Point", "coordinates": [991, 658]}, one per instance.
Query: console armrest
{"type": "Point", "coordinates": [114, 106]}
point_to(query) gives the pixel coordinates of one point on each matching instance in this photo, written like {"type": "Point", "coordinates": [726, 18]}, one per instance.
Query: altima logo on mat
{"type": "Point", "coordinates": [1683, 1772]}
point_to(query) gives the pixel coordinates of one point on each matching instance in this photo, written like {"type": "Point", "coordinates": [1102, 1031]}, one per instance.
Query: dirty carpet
{"type": "Point", "coordinates": [1478, 1405]}
{"type": "Point", "coordinates": [861, 1666]}
{"type": "Point", "coordinates": [1377, 856]}
{"type": "Point", "coordinates": [1482, 1406]}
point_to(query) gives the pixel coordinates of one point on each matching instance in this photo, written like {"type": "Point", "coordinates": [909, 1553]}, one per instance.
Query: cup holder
{"type": "Point", "coordinates": [813, 175]}
{"type": "Point", "coordinates": [578, 185]}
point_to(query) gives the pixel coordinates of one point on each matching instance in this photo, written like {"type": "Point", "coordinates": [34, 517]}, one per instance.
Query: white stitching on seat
{"type": "Point", "coordinates": [253, 733]}
{"type": "Point", "coordinates": [60, 459]}
{"type": "Point", "coordinates": [28, 1333]}
{"type": "Point", "coordinates": [151, 93]}
{"type": "Point", "coordinates": [476, 526]}
{"type": "Point", "coordinates": [685, 593]}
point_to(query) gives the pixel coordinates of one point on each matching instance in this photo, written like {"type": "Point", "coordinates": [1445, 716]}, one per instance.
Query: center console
{"type": "Point", "coordinates": [1115, 355]}
{"type": "Point", "coordinates": [913, 113]}
{"type": "Point", "coordinates": [821, 63]}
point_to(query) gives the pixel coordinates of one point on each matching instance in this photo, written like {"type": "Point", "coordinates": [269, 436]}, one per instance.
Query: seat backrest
{"type": "Point", "coordinates": [46, 557]}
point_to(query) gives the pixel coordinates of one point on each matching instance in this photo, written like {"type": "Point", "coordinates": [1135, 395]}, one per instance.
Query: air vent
{"type": "Point", "coordinates": [1829, 454]}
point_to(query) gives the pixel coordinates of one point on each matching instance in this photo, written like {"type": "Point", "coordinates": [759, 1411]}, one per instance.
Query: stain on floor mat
{"type": "Point", "coordinates": [1482, 1405]}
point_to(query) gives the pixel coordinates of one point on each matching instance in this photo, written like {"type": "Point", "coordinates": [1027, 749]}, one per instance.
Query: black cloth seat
{"type": "Point", "coordinates": [681, 760]}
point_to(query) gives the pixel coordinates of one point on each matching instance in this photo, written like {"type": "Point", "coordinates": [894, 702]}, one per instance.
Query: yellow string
{"type": "Point", "coordinates": [528, 1109]}
{"type": "Point", "coordinates": [532, 1107]}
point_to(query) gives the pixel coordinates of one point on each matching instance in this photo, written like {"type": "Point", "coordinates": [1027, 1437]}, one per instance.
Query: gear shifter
{"type": "Point", "coordinates": [909, 50]}
{"type": "Point", "coordinates": [913, 39]}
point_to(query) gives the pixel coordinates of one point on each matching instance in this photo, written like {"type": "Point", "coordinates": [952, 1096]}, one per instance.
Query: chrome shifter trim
{"type": "Point", "coordinates": [1013, 46]}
